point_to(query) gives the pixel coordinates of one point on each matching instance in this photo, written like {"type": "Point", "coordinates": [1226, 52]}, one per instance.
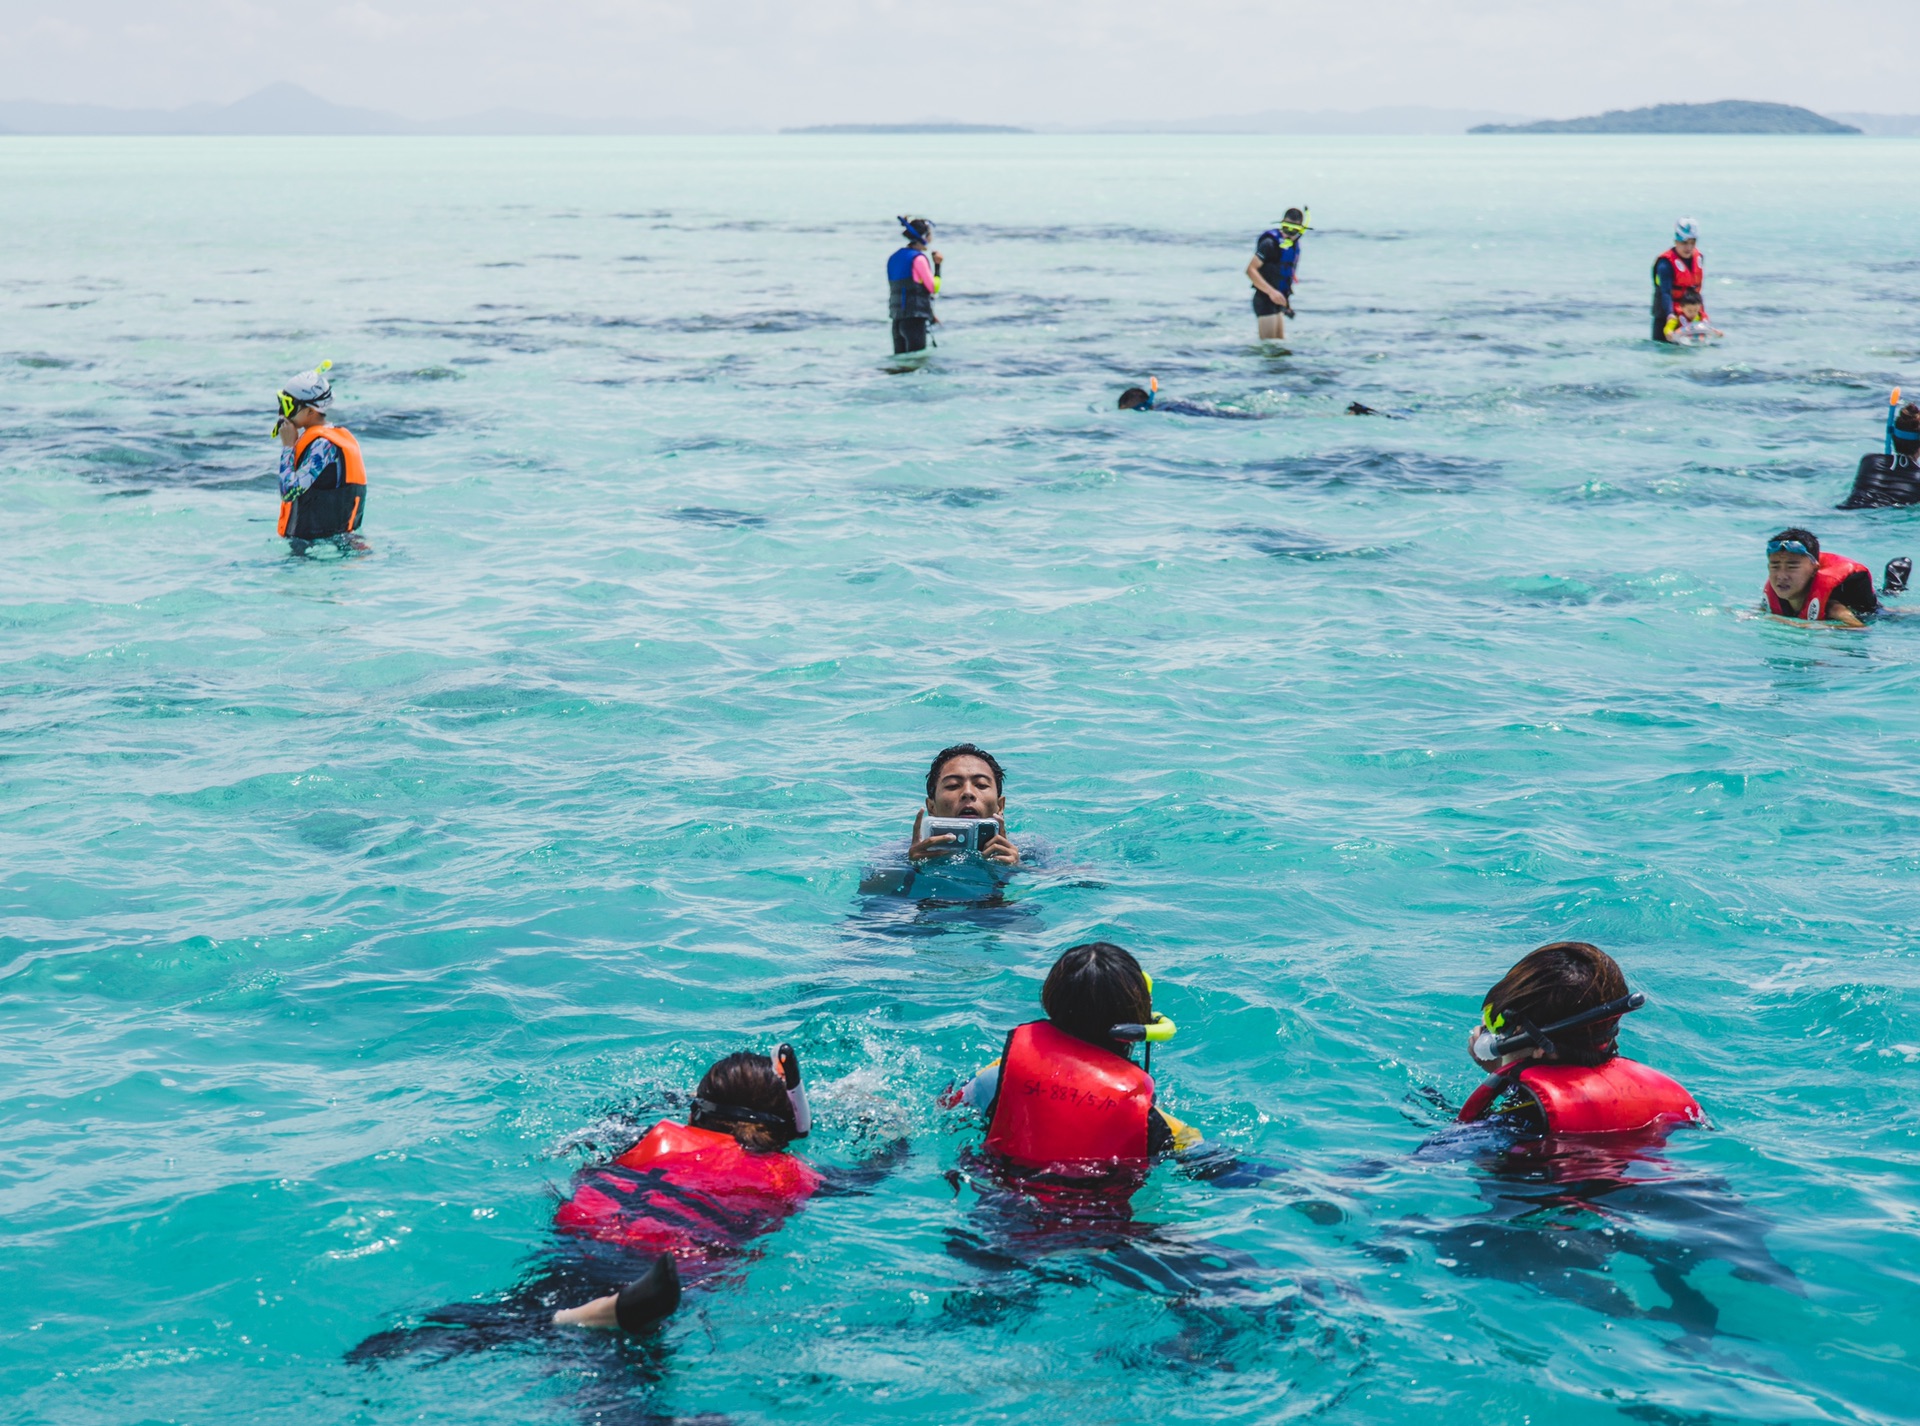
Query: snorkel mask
{"type": "Point", "coordinates": [1493, 1041]}
{"type": "Point", "coordinates": [1157, 1031]}
{"type": "Point", "coordinates": [311, 389]}
{"type": "Point", "coordinates": [799, 1120]}
{"type": "Point", "coordinates": [1290, 232]}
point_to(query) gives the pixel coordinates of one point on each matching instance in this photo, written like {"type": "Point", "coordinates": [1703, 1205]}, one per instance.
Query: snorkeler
{"type": "Point", "coordinates": [1549, 1035]}
{"type": "Point", "coordinates": [1275, 260]}
{"type": "Point", "coordinates": [1066, 1106]}
{"type": "Point", "coordinates": [911, 286]}
{"type": "Point", "coordinates": [1148, 398]}
{"type": "Point", "coordinates": [1678, 274]}
{"type": "Point", "coordinates": [1803, 583]}
{"type": "Point", "coordinates": [965, 809]}
{"type": "Point", "coordinates": [686, 1200]}
{"type": "Point", "coordinates": [323, 481]}
{"type": "Point", "coordinates": [1890, 476]}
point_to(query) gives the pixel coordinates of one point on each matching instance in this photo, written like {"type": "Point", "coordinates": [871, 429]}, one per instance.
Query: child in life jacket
{"type": "Point", "coordinates": [1065, 1103]}
{"type": "Point", "coordinates": [1803, 583]}
{"type": "Point", "coordinates": [1689, 324]}
{"type": "Point", "coordinates": [1548, 1034]}
{"type": "Point", "coordinates": [687, 1193]}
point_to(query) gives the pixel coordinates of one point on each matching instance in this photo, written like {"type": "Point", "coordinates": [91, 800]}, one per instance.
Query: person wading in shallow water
{"type": "Point", "coordinates": [913, 279]}
{"type": "Point", "coordinates": [1276, 258]}
{"type": "Point", "coordinates": [1678, 275]}
{"type": "Point", "coordinates": [323, 481]}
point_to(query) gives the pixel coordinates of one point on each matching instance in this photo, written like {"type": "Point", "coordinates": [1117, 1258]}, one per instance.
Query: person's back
{"type": "Point", "coordinates": [1068, 1111]}
{"type": "Point", "coordinates": [1549, 1035]}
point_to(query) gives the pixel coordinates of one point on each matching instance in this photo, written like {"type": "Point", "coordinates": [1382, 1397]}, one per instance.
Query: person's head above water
{"type": "Point", "coordinates": [746, 1096]}
{"type": "Point", "coordinates": [1686, 235]}
{"type": "Point", "coordinates": [1094, 987]}
{"type": "Point", "coordinates": [1552, 984]}
{"type": "Point", "coordinates": [305, 399]}
{"type": "Point", "coordinates": [965, 781]}
{"type": "Point", "coordinates": [917, 231]}
{"type": "Point", "coordinates": [1134, 397]}
{"type": "Point", "coordinates": [1691, 306]}
{"type": "Point", "coordinates": [1793, 559]}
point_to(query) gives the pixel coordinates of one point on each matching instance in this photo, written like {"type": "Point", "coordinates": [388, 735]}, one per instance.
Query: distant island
{"type": "Point", "coordinates": [928, 128]}
{"type": "Point", "coordinates": [1728, 116]}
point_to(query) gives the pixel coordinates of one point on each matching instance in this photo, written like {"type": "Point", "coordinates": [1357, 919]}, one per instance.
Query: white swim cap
{"type": "Point", "coordinates": [311, 388]}
{"type": "Point", "coordinates": [1685, 229]}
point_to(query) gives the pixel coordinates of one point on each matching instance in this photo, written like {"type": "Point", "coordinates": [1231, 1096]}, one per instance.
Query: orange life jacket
{"type": "Point", "coordinates": [687, 1191]}
{"type": "Point", "coordinates": [1064, 1105]}
{"type": "Point", "coordinates": [1834, 570]}
{"type": "Point", "coordinates": [336, 502]}
{"type": "Point", "coordinates": [1617, 1097]}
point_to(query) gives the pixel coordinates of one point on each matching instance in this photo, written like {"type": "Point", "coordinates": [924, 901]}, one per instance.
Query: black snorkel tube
{"type": "Point", "coordinates": [798, 1119]}
{"type": "Point", "coordinates": [1157, 1032]}
{"type": "Point", "coordinates": [1530, 1036]}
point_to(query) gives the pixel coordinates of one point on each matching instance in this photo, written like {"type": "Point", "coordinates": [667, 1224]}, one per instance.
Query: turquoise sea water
{"type": "Point", "coordinates": [349, 906]}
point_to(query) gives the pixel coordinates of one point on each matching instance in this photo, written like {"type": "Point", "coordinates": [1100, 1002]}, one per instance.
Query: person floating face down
{"type": "Point", "coordinates": [913, 280]}
{"type": "Point", "coordinates": [1679, 273]}
{"type": "Point", "coordinates": [1276, 258]}
{"type": "Point", "coordinates": [323, 480]}
{"type": "Point", "coordinates": [1066, 1106]}
{"type": "Point", "coordinates": [687, 1199]}
{"type": "Point", "coordinates": [1803, 583]}
{"type": "Point", "coordinates": [964, 782]}
{"type": "Point", "coordinates": [687, 1194]}
{"type": "Point", "coordinates": [1549, 1036]}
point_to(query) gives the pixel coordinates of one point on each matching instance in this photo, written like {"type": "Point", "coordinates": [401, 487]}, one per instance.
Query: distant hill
{"type": "Point", "coordinates": [930, 127]}
{"type": "Point", "coordinates": [1728, 116]}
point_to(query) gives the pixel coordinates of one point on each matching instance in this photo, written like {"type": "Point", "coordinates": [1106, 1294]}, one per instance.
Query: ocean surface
{"type": "Point", "coordinates": [349, 906]}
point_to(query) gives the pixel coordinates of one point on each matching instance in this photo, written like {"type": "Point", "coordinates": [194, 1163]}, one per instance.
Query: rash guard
{"type": "Point", "coordinates": [297, 479]}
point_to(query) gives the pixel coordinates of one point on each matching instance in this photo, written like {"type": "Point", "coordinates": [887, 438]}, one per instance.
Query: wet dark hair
{"type": "Point", "coordinates": [1908, 419]}
{"type": "Point", "coordinates": [965, 750]}
{"type": "Point", "coordinates": [1133, 396]}
{"type": "Point", "coordinates": [1292, 215]}
{"type": "Point", "coordinates": [744, 1080]}
{"type": "Point", "coordinates": [1094, 987]}
{"type": "Point", "coordinates": [1554, 982]}
{"type": "Point", "coordinates": [1805, 537]}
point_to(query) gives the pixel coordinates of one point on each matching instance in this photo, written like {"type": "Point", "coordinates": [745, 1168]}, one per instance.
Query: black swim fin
{"type": "Point", "coordinates": [1898, 571]}
{"type": "Point", "coordinates": [648, 1298]}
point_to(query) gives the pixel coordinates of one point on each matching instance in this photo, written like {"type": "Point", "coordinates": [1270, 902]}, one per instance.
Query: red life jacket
{"type": "Point", "coordinates": [686, 1191]}
{"type": "Point", "coordinates": [1834, 570]}
{"type": "Point", "coordinates": [1066, 1105]}
{"type": "Point", "coordinates": [1614, 1098]}
{"type": "Point", "coordinates": [1688, 276]}
{"type": "Point", "coordinates": [334, 508]}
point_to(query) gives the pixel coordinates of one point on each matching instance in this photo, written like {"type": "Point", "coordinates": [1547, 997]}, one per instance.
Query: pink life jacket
{"type": "Point", "coordinates": [687, 1191]}
{"type": "Point", "coordinates": [1617, 1097]}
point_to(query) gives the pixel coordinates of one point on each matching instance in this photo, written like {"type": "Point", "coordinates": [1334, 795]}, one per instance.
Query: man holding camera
{"type": "Point", "coordinates": [966, 807]}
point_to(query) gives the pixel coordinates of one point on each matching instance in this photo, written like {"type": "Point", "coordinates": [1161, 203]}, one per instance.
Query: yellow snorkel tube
{"type": "Point", "coordinates": [1156, 1031]}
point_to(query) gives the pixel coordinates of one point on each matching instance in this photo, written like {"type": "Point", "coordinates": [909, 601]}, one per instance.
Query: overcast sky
{"type": "Point", "coordinates": [766, 63]}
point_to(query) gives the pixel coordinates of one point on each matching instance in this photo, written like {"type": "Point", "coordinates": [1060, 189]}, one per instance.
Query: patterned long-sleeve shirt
{"type": "Point", "coordinates": [297, 479]}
